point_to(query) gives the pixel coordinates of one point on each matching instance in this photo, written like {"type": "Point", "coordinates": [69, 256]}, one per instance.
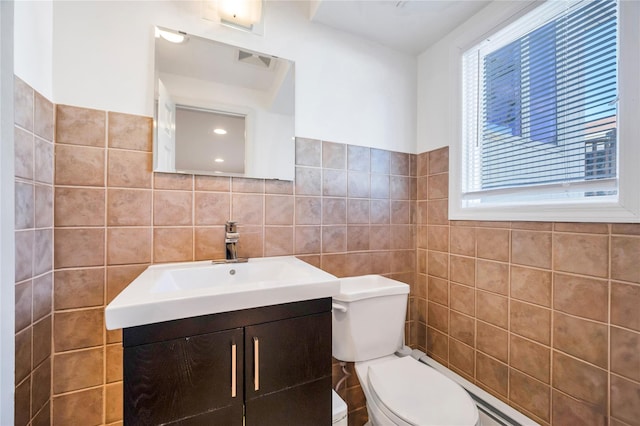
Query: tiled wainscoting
{"type": "Point", "coordinates": [545, 316]}
{"type": "Point", "coordinates": [33, 136]}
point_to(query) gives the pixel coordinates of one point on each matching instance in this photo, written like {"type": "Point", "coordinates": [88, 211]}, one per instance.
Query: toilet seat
{"type": "Point", "coordinates": [412, 393]}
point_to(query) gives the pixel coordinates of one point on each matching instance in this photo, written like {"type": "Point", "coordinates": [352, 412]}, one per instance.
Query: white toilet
{"type": "Point", "coordinates": [368, 325]}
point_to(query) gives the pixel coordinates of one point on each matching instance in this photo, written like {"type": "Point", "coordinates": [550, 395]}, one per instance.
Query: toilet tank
{"type": "Point", "coordinates": [368, 317]}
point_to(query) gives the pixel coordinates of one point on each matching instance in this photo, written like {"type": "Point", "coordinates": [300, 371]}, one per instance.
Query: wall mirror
{"type": "Point", "coordinates": [221, 109]}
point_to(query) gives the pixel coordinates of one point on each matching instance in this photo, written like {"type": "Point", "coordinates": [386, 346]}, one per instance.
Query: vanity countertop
{"type": "Point", "coordinates": [172, 291]}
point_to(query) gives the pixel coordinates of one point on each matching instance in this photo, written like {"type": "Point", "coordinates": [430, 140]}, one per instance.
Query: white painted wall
{"type": "Point", "coordinates": [439, 73]}
{"type": "Point", "coordinates": [348, 90]}
{"type": "Point", "coordinates": [33, 34]}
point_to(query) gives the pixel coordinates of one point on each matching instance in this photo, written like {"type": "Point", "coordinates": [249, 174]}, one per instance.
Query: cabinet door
{"type": "Point", "coordinates": [282, 356]}
{"type": "Point", "coordinates": [308, 404]}
{"type": "Point", "coordinates": [186, 381]}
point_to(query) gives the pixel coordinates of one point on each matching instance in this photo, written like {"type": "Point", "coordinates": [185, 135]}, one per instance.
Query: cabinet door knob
{"type": "Point", "coordinates": [233, 370]}
{"type": "Point", "coordinates": [256, 364]}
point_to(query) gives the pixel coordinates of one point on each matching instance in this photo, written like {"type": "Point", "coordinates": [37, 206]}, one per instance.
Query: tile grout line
{"type": "Point", "coordinates": [609, 413]}
{"type": "Point", "coordinates": [105, 261]}
{"type": "Point", "coordinates": [31, 355]}
{"type": "Point", "coordinates": [551, 323]}
{"type": "Point", "coordinates": [53, 268]}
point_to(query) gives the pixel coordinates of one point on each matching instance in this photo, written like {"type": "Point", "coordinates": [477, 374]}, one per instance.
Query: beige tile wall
{"type": "Point", "coordinates": [349, 212]}
{"type": "Point", "coordinates": [542, 315]}
{"type": "Point", "coordinates": [33, 137]}
{"type": "Point", "coordinates": [545, 316]}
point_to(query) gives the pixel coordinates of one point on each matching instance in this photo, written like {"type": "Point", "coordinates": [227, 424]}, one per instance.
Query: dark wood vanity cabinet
{"type": "Point", "coordinates": [264, 366]}
{"type": "Point", "coordinates": [184, 380]}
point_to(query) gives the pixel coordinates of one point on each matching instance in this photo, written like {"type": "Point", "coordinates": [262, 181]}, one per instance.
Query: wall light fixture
{"type": "Point", "coordinates": [242, 14]}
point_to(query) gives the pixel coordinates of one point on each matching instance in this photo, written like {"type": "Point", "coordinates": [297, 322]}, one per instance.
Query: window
{"type": "Point", "coordinates": [540, 111]}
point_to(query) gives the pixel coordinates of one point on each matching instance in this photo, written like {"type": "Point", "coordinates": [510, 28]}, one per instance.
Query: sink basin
{"type": "Point", "coordinates": [180, 290]}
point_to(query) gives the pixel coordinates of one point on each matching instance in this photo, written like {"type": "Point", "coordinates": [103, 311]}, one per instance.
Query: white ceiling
{"type": "Point", "coordinates": [410, 26]}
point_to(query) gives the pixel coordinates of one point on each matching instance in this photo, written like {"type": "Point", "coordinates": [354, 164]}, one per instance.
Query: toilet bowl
{"type": "Point", "coordinates": [368, 325]}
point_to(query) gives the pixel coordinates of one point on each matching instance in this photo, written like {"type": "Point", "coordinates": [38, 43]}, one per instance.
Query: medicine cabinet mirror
{"type": "Point", "coordinates": [221, 109]}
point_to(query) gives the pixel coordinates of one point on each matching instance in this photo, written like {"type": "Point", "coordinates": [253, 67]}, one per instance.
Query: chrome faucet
{"type": "Point", "coordinates": [231, 237]}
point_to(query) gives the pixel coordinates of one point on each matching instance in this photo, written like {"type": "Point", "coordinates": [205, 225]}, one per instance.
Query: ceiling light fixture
{"type": "Point", "coordinates": [219, 160]}
{"type": "Point", "coordinates": [219, 131]}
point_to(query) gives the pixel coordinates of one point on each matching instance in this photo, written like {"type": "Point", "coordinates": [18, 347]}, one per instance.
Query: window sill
{"type": "Point", "coordinates": [560, 212]}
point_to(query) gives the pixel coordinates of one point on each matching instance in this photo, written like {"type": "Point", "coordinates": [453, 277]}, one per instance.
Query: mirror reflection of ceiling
{"type": "Point", "coordinates": [410, 26]}
{"type": "Point", "coordinates": [193, 59]}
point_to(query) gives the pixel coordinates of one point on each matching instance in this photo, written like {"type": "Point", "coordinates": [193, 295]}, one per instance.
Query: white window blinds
{"type": "Point", "coordinates": [539, 107]}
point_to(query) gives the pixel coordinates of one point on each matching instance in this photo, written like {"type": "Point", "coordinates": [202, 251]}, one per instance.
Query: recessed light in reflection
{"type": "Point", "coordinates": [220, 131]}
{"type": "Point", "coordinates": [173, 37]}
{"type": "Point", "coordinates": [219, 160]}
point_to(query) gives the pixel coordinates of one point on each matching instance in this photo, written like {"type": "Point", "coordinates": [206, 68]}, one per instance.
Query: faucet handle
{"type": "Point", "coordinates": [231, 226]}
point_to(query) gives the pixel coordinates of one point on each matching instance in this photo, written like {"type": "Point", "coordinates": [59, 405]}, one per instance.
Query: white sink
{"type": "Point", "coordinates": [180, 290]}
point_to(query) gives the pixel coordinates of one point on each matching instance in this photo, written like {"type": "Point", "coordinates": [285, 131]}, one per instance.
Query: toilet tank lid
{"type": "Point", "coordinates": [367, 286]}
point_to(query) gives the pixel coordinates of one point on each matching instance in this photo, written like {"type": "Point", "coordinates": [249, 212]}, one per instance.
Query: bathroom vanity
{"type": "Point", "coordinates": [271, 363]}
{"type": "Point", "coordinates": [228, 344]}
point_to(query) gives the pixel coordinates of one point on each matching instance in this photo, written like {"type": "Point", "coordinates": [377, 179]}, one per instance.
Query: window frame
{"type": "Point", "coordinates": [587, 209]}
